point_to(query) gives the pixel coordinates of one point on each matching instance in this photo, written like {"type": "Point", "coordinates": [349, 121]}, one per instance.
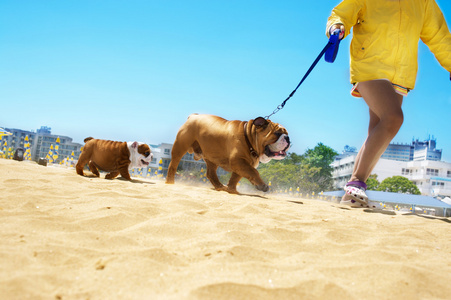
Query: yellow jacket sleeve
{"type": "Point", "coordinates": [346, 13]}
{"type": "Point", "coordinates": [435, 34]}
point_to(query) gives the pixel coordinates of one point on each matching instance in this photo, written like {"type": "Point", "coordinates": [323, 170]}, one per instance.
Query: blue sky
{"type": "Point", "coordinates": [135, 70]}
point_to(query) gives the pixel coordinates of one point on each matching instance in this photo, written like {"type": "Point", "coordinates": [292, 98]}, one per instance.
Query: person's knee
{"type": "Point", "coordinates": [394, 121]}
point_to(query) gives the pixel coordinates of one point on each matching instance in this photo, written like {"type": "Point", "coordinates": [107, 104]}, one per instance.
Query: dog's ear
{"type": "Point", "coordinates": [135, 145]}
{"type": "Point", "coordinates": [260, 122]}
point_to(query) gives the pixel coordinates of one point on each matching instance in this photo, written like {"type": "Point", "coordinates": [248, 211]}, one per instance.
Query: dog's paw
{"type": "Point", "coordinates": [262, 187]}
{"type": "Point", "coordinates": [221, 188]}
{"type": "Point", "coordinates": [232, 191]}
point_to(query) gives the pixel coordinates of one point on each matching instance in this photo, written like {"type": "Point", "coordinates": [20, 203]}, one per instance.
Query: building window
{"type": "Point", "coordinates": [166, 163]}
{"type": "Point", "coordinates": [167, 151]}
{"type": "Point", "coordinates": [406, 171]}
{"type": "Point", "coordinates": [449, 174]}
{"type": "Point", "coordinates": [433, 172]}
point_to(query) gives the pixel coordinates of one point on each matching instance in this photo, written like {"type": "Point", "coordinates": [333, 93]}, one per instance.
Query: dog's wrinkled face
{"type": "Point", "coordinates": [140, 155]}
{"type": "Point", "coordinates": [274, 139]}
{"type": "Point", "coordinates": [277, 150]}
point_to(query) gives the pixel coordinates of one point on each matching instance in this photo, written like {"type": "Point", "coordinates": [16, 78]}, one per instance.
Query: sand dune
{"type": "Point", "coordinates": [64, 236]}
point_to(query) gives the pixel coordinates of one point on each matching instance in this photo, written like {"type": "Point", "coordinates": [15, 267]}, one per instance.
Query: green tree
{"type": "Point", "coordinates": [311, 172]}
{"type": "Point", "coordinates": [284, 176]}
{"type": "Point", "coordinates": [291, 159]}
{"type": "Point", "coordinates": [398, 184]}
{"type": "Point", "coordinates": [321, 157]}
{"type": "Point", "coordinates": [372, 182]}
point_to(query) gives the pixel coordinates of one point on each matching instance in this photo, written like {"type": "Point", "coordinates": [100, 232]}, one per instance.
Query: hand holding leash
{"type": "Point", "coordinates": [334, 41]}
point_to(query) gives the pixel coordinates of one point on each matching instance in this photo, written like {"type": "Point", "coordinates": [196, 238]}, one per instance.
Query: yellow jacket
{"type": "Point", "coordinates": [386, 35]}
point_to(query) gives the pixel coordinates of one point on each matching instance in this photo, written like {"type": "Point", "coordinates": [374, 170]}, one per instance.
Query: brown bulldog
{"type": "Point", "coordinates": [235, 146]}
{"type": "Point", "coordinates": [114, 157]}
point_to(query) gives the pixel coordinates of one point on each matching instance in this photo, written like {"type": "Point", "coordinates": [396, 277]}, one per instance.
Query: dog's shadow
{"type": "Point", "coordinates": [142, 181]}
{"type": "Point", "coordinates": [443, 219]}
{"type": "Point", "coordinates": [264, 197]}
{"type": "Point", "coordinates": [371, 211]}
{"type": "Point", "coordinates": [134, 180]}
{"type": "Point", "coordinates": [251, 195]}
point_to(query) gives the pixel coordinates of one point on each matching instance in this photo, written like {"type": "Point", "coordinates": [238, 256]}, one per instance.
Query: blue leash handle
{"type": "Point", "coordinates": [331, 50]}
{"type": "Point", "coordinates": [334, 41]}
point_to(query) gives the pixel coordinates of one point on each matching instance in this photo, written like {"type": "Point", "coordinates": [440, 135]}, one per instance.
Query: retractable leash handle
{"type": "Point", "coordinates": [334, 41]}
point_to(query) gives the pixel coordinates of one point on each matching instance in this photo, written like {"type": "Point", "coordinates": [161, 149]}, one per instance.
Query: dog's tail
{"type": "Point", "coordinates": [88, 139]}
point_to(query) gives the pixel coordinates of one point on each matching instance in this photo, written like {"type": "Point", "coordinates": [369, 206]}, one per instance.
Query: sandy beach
{"type": "Point", "coordinates": [64, 236]}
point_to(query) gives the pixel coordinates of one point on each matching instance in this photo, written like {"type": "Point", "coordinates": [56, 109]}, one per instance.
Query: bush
{"type": "Point", "coordinates": [399, 184]}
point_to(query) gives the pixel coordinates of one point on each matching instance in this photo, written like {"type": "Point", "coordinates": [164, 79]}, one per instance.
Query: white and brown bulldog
{"type": "Point", "coordinates": [113, 157]}
{"type": "Point", "coordinates": [235, 146]}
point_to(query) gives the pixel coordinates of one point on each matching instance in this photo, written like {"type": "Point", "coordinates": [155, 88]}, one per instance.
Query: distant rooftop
{"type": "Point", "coordinates": [44, 130]}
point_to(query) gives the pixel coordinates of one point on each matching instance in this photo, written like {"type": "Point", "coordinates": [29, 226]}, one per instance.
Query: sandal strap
{"type": "Point", "coordinates": [357, 183]}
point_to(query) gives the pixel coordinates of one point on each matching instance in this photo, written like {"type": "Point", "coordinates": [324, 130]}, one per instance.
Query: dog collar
{"type": "Point", "coordinates": [251, 149]}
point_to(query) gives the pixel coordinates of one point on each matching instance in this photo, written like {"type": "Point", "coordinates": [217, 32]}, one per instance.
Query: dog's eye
{"type": "Point", "coordinates": [147, 153]}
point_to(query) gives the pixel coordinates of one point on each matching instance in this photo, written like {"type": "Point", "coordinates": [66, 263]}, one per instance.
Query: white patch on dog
{"type": "Point", "coordinates": [277, 150]}
{"type": "Point", "coordinates": [138, 160]}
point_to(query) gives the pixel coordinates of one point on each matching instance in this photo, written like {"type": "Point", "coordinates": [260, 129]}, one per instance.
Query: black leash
{"type": "Point", "coordinates": [330, 57]}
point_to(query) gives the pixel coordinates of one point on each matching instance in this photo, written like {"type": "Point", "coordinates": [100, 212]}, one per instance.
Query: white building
{"type": "Point", "coordinates": [162, 152]}
{"type": "Point", "coordinates": [432, 177]}
{"type": "Point", "coordinates": [41, 142]}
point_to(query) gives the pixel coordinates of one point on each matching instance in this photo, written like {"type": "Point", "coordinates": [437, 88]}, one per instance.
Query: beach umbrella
{"type": "Point", "coordinates": [72, 155]}
{"type": "Point", "coordinates": [25, 145]}
{"type": "Point", "coordinates": [27, 155]}
{"type": "Point", "coordinates": [5, 144]}
{"type": "Point", "coordinates": [50, 154]}
{"type": "Point", "coordinates": [57, 146]}
{"type": "Point", "coordinates": [3, 132]}
{"type": "Point", "coordinates": [202, 175]}
{"type": "Point", "coordinates": [160, 168]}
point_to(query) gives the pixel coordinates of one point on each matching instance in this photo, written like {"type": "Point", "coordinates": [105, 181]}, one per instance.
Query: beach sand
{"type": "Point", "coordinates": [64, 236]}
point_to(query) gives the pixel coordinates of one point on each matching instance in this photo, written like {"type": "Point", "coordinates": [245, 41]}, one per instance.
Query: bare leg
{"type": "Point", "coordinates": [373, 122]}
{"type": "Point", "coordinates": [386, 117]}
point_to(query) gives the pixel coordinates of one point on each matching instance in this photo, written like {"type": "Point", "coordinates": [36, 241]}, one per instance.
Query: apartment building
{"type": "Point", "coordinates": [40, 143]}
{"type": "Point", "coordinates": [419, 161]}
